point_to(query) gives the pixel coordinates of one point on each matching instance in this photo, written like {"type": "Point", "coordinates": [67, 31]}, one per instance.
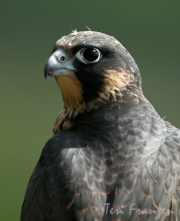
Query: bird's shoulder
{"type": "Point", "coordinates": [50, 172]}
{"type": "Point", "coordinates": [173, 134]}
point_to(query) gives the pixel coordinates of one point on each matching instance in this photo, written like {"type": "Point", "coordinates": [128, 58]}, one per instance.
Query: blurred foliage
{"type": "Point", "coordinates": [29, 104]}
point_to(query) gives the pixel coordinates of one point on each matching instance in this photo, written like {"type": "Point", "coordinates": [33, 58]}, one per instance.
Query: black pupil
{"type": "Point", "coordinates": [90, 54]}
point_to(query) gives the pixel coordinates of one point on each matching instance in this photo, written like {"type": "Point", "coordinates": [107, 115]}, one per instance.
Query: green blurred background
{"type": "Point", "coordinates": [150, 30]}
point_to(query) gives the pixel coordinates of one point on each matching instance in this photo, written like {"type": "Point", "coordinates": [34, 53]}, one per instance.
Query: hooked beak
{"type": "Point", "coordinates": [58, 64]}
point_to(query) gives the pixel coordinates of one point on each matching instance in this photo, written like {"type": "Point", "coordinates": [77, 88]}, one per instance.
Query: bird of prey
{"type": "Point", "coordinates": [112, 157]}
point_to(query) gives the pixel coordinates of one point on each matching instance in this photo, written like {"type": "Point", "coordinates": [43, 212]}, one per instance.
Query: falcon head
{"type": "Point", "coordinates": [91, 69]}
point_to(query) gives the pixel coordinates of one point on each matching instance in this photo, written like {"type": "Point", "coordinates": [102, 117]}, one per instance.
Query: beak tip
{"type": "Point", "coordinates": [47, 70]}
{"type": "Point", "coordinates": [45, 75]}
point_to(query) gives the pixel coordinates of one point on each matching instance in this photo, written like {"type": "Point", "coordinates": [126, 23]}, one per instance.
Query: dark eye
{"type": "Point", "coordinates": [89, 55]}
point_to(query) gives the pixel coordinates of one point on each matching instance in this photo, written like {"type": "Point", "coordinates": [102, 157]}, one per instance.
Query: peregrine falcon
{"type": "Point", "coordinates": [112, 157]}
